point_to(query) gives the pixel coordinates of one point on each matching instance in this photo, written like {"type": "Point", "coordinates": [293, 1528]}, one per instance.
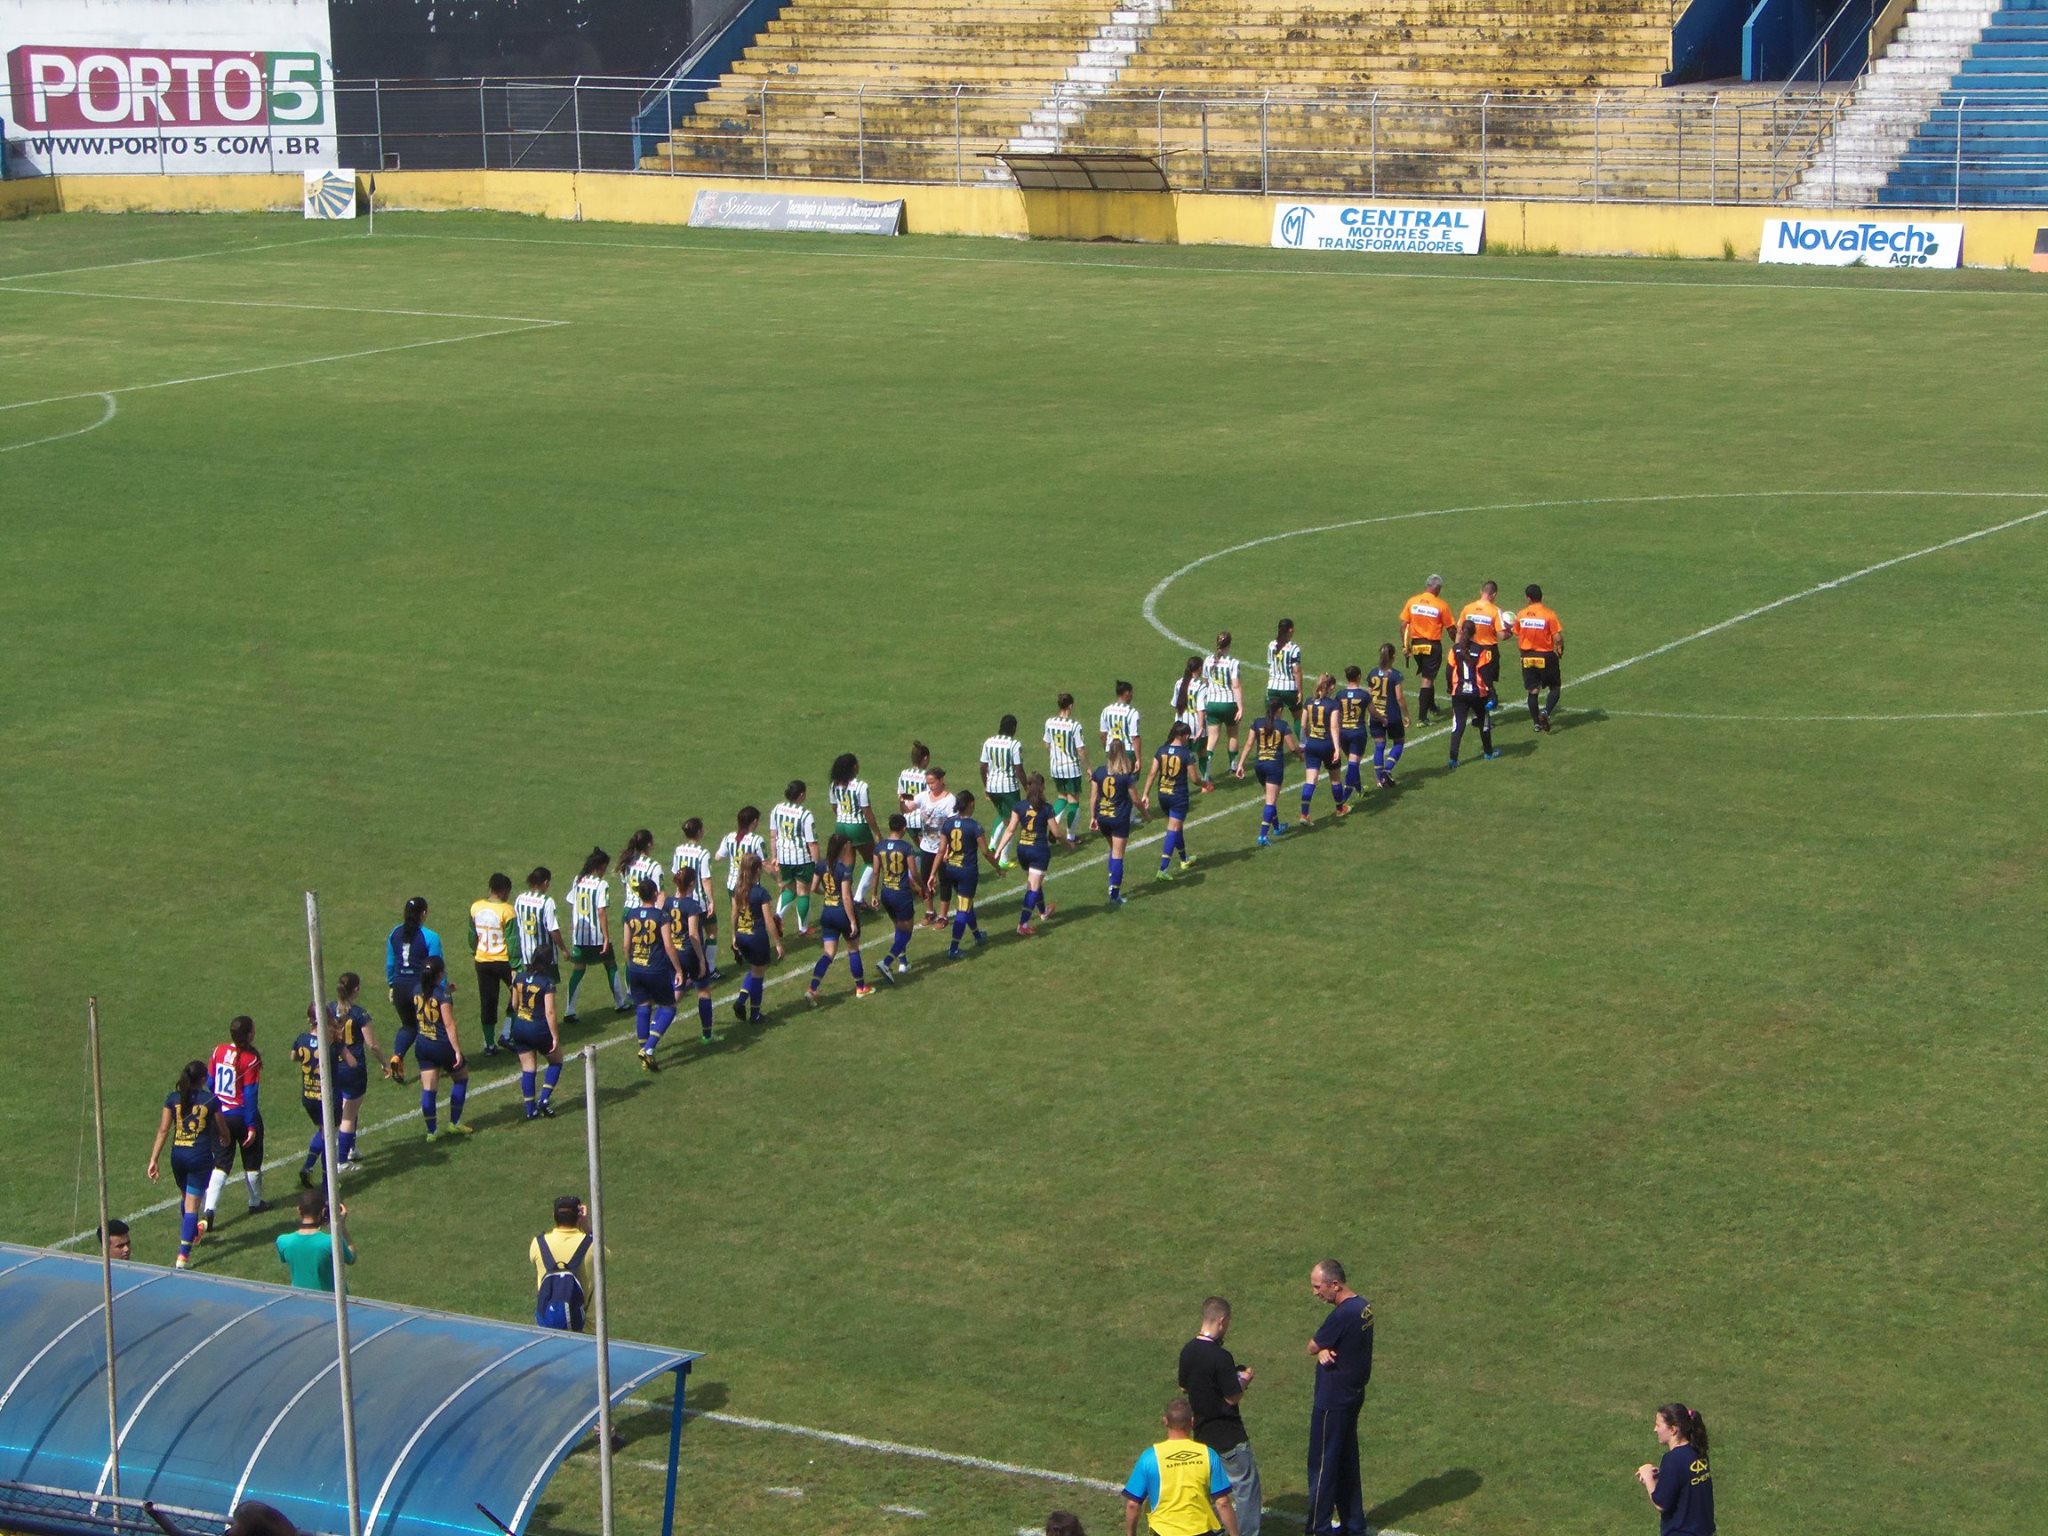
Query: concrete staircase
{"type": "Point", "coordinates": [1099, 69]}
{"type": "Point", "coordinates": [1891, 102]}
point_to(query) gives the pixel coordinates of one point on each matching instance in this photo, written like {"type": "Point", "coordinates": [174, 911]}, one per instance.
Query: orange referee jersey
{"type": "Point", "coordinates": [1424, 616]}
{"type": "Point", "coordinates": [1485, 619]}
{"type": "Point", "coordinates": [1537, 631]}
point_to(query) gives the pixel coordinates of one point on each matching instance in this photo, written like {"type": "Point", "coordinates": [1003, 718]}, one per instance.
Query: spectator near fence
{"type": "Point", "coordinates": [309, 1252]}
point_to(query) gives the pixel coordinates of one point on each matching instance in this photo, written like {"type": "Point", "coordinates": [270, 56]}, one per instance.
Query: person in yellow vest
{"type": "Point", "coordinates": [1426, 626]}
{"type": "Point", "coordinates": [490, 932]}
{"type": "Point", "coordinates": [1484, 612]}
{"type": "Point", "coordinates": [1179, 1485]}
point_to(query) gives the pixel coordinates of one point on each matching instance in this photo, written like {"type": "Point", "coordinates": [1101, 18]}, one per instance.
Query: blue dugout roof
{"type": "Point", "coordinates": [228, 1392]}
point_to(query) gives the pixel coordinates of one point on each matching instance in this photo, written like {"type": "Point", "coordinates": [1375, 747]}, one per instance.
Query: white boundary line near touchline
{"type": "Point", "coordinates": [331, 309]}
{"type": "Point", "coordinates": [1969, 714]}
{"type": "Point", "coordinates": [158, 261]}
{"type": "Point", "coordinates": [1077, 866]}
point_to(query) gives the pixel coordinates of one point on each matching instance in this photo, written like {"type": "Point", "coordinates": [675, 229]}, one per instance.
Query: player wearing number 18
{"type": "Point", "coordinates": [896, 876]}
{"type": "Point", "coordinates": [191, 1124]}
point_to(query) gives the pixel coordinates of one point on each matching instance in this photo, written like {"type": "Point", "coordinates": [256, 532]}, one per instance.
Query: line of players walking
{"type": "Point", "coordinates": [931, 852]}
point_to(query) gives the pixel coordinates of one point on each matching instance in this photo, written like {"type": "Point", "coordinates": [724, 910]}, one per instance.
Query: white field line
{"type": "Point", "coordinates": [1972, 714]}
{"type": "Point", "coordinates": [57, 437]}
{"type": "Point", "coordinates": [158, 261]}
{"type": "Point", "coordinates": [1161, 269]}
{"type": "Point", "coordinates": [331, 309]}
{"type": "Point", "coordinates": [1071, 867]}
{"type": "Point", "coordinates": [302, 362]}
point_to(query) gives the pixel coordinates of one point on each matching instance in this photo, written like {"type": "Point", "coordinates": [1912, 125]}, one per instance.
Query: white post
{"type": "Point", "coordinates": [860, 130]}
{"type": "Point", "coordinates": [329, 1137]}
{"type": "Point", "coordinates": [604, 1334]}
{"type": "Point", "coordinates": [1959, 150]}
{"type": "Point", "coordinates": [99, 1132]}
{"type": "Point", "coordinates": [576, 117]}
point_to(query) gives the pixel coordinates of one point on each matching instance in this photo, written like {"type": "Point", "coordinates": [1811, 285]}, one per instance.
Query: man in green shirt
{"type": "Point", "coordinates": [309, 1252]}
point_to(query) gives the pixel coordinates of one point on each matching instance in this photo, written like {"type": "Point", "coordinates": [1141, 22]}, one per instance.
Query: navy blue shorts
{"type": "Point", "coordinates": [1393, 729]}
{"type": "Point", "coordinates": [1035, 858]}
{"type": "Point", "coordinates": [530, 1034]}
{"type": "Point", "coordinates": [1270, 773]}
{"type": "Point", "coordinates": [753, 951]}
{"type": "Point", "coordinates": [1317, 757]}
{"type": "Point", "coordinates": [352, 1085]}
{"type": "Point", "coordinates": [899, 905]}
{"type": "Point", "coordinates": [192, 1167]}
{"type": "Point", "coordinates": [1114, 828]}
{"type": "Point", "coordinates": [1354, 743]}
{"type": "Point", "coordinates": [834, 921]}
{"type": "Point", "coordinates": [1175, 810]}
{"type": "Point", "coordinates": [434, 1053]}
{"type": "Point", "coordinates": [965, 882]}
{"type": "Point", "coordinates": [658, 987]}
{"type": "Point", "coordinates": [692, 975]}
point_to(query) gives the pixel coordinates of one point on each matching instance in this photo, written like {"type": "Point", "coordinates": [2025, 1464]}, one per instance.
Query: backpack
{"type": "Point", "coordinates": [559, 1303]}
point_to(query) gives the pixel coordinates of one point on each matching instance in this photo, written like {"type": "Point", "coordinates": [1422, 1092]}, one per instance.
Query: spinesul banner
{"type": "Point", "coordinates": [1860, 243]}
{"type": "Point", "coordinates": [790, 210]}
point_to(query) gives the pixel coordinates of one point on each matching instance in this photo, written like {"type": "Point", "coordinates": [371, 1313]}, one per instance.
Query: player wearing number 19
{"type": "Point", "coordinates": [1173, 770]}
{"type": "Point", "coordinates": [1111, 815]}
{"type": "Point", "coordinates": [1319, 747]}
{"type": "Point", "coordinates": [1267, 743]}
{"type": "Point", "coordinates": [1029, 831]}
{"type": "Point", "coordinates": [651, 969]}
{"type": "Point", "coordinates": [838, 922]}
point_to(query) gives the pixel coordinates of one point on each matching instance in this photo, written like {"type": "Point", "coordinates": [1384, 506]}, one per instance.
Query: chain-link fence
{"type": "Point", "coordinates": [1798, 145]}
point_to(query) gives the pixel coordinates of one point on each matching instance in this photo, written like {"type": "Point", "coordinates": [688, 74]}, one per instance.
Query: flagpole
{"type": "Point", "coordinates": [604, 1331]}
{"type": "Point", "coordinates": [99, 1131]}
{"type": "Point", "coordinates": [337, 1244]}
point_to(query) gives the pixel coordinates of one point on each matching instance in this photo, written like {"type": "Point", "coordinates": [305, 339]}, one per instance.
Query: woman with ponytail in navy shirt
{"type": "Point", "coordinates": [1681, 1485]}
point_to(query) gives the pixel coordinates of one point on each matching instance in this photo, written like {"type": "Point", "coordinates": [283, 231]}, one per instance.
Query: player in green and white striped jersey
{"type": "Point", "coordinates": [854, 815]}
{"type": "Point", "coordinates": [1186, 699]}
{"type": "Point", "coordinates": [1067, 753]}
{"type": "Point", "coordinates": [693, 855]}
{"type": "Point", "coordinates": [636, 863]}
{"type": "Point", "coordinates": [590, 931]}
{"type": "Point", "coordinates": [1222, 703]}
{"type": "Point", "coordinates": [1119, 722]}
{"type": "Point", "coordinates": [1002, 769]}
{"type": "Point", "coordinates": [794, 832]}
{"type": "Point", "coordinates": [1283, 671]}
{"type": "Point", "coordinates": [539, 926]}
{"type": "Point", "coordinates": [744, 839]}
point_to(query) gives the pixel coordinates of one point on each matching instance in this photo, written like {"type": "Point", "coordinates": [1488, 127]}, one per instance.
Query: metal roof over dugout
{"type": "Point", "coordinates": [227, 1392]}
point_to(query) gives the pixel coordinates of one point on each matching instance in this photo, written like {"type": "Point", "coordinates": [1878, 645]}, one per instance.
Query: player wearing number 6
{"type": "Point", "coordinates": [1112, 814]}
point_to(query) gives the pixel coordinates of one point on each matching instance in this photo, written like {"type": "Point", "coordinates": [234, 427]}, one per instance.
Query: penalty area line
{"type": "Point", "coordinates": [57, 437]}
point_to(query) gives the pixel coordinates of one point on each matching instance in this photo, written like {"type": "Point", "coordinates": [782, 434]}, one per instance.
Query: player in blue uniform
{"type": "Point", "coordinates": [1174, 769]}
{"type": "Point", "coordinates": [439, 1050]}
{"type": "Point", "coordinates": [1030, 831]}
{"type": "Point", "coordinates": [406, 952]}
{"type": "Point", "coordinates": [961, 845]}
{"type": "Point", "coordinates": [838, 923]}
{"type": "Point", "coordinates": [1319, 747]}
{"type": "Point", "coordinates": [192, 1125]}
{"type": "Point", "coordinates": [652, 966]}
{"type": "Point", "coordinates": [536, 1034]}
{"type": "Point", "coordinates": [1354, 707]}
{"type": "Point", "coordinates": [1266, 745]}
{"type": "Point", "coordinates": [756, 930]}
{"type": "Point", "coordinates": [896, 862]}
{"type": "Point", "coordinates": [687, 917]}
{"type": "Point", "coordinates": [1110, 813]}
{"type": "Point", "coordinates": [352, 1077]}
{"type": "Point", "coordinates": [1389, 714]}
{"type": "Point", "coordinates": [306, 1057]}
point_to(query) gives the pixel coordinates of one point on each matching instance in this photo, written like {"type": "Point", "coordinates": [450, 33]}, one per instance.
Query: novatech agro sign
{"type": "Point", "coordinates": [783, 210]}
{"type": "Point", "coordinates": [1860, 242]}
{"type": "Point", "coordinates": [139, 85]}
{"type": "Point", "coordinates": [1435, 231]}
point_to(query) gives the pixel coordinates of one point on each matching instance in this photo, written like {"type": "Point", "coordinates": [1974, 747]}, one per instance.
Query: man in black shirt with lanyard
{"type": "Point", "coordinates": [1342, 1351]}
{"type": "Point", "coordinates": [1214, 1382]}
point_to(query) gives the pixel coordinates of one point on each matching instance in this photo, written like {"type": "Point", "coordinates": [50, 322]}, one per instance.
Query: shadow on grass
{"type": "Point", "coordinates": [1424, 1495]}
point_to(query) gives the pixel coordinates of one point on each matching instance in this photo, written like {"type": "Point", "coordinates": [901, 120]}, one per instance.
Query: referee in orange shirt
{"type": "Point", "coordinates": [1540, 638]}
{"type": "Point", "coordinates": [1484, 612]}
{"type": "Point", "coordinates": [1424, 617]}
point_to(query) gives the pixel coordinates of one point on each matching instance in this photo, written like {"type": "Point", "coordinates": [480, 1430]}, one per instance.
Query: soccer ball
{"type": "Point", "coordinates": [1507, 617]}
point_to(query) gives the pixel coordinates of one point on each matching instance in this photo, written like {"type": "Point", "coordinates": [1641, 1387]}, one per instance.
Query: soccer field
{"type": "Point", "coordinates": [1690, 1051]}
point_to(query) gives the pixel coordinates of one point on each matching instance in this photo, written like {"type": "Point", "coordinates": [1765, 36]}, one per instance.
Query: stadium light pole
{"type": "Point", "coordinates": [330, 1166]}
{"type": "Point", "coordinates": [99, 1131]}
{"type": "Point", "coordinates": [604, 1328]}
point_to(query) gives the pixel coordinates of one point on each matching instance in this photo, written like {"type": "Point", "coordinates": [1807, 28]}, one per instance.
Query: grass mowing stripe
{"type": "Point", "coordinates": [1097, 860]}
{"type": "Point", "coordinates": [329, 309]}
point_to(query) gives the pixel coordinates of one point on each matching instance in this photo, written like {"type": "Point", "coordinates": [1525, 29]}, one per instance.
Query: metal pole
{"type": "Point", "coordinates": [1678, 154]}
{"type": "Point", "coordinates": [1597, 96]}
{"type": "Point", "coordinates": [668, 107]}
{"type": "Point", "coordinates": [99, 1132]}
{"type": "Point", "coordinates": [860, 131]}
{"type": "Point", "coordinates": [576, 117]}
{"type": "Point", "coordinates": [764, 130]}
{"type": "Point", "coordinates": [1373, 139]}
{"type": "Point", "coordinates": [1265, 145]}
{"type": "Point", "coordinates": [483, 124]}
{"type": "Point", "coordinates": [1959, 150]}
{"type": "Point", "coordinates": [604, 1335]}
{"type": "Point", "coordinates": [1159, 121]}
{"type": "Point", "coordinates": [1714, 151]}
{"type": "Point", "coordinates": [330, 1140]}
{"type": "Point", "coordinates": [1485, 101]}
{"type": "Point", "coordinates": [959, 144]}
{"type": "Point", "coordinates": [377, 102]}
{"type": "Point", "coordinates": [1205, 144]}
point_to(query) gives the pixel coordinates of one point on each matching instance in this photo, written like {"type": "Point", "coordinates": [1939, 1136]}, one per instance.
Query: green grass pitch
{"type": "Point", "coordinates": [1693, 1050]}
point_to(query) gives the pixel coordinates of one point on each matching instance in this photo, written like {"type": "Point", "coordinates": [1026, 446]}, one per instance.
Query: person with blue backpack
{"type": "Point", "coordinates": [561, 1268]}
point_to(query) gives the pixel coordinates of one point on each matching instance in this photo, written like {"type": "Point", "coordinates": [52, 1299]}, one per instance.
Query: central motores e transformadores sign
{"type": "Point", "coordinates": [1427, 230]}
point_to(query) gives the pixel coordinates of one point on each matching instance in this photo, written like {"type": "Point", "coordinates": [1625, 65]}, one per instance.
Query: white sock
{"type": "Point", "coordinates": [867, 878]}
{"type": "Point", "coordinates": [214, 1186]}
{"type": "Point", "coordinates": [255, 1183]}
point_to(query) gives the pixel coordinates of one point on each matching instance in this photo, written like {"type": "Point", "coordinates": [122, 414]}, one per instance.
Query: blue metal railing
{"type": "Point", "coordinates": [1819, 52]}
{"type": "Point", "coordinates": [693, 77]}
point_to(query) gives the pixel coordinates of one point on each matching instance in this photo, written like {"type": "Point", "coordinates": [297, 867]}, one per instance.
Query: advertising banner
{"type": "Point", "coordinates": [143, 86]}
{"type": "Point", "coordinates": [1432, 230]}
{"type": "Point", "coordinates": [785, 210]}
{"type": "Point", "coordinates": [1860, 243]}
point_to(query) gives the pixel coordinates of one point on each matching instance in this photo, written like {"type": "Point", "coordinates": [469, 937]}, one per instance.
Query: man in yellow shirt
{"type": "Point", "coordinates": [1180, 1485]}
{"type": "Point", "coordinates": [562, 1279]}
{"type": "Point", "coordinates": [490, 938]}
{"type": "Point", "coordinates": [1484, 613]}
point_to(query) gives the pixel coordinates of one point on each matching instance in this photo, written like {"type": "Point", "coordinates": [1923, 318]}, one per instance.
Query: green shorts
{"type": "Point", "coordinates": [791, 873]}
{"type": "Point", "coordinates": [858, 833]}
{"type": "Point", "coordinates": [1288, 696]}
{"type": "Point", "coordinates": [1068, 789]}
{"type": "Point", "coordinates": [1004, 804]}
{"type": "Point", "coordinates": [587, 954]}
{"type": "Point", "coordinates": [1221, 714]}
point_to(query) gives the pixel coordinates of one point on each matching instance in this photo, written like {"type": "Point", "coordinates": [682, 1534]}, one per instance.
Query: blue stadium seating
{"type": "Point", "coordinates": [1986, 142]}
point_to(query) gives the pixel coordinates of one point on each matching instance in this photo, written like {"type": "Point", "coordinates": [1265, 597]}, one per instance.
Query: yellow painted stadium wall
{"type": "Point", "coordinates": [1993, 238]}
{"type": "Point", "coordinates": [19, 199]}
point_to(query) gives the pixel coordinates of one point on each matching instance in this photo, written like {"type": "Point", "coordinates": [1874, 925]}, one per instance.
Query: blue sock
{"type": "Point", "coordinates": [1339, 791]}
{"type": "Point", "coordinates": [1269, 816]}
{"type": "Point", "coordinates": [1351, 774]}
{"type": "Point", "coordinates": [1394, 754]}
{"type": "Point", "coordinates": [704, 1014]}
{"type": "Point", "coordinates": [1379, 754]}
{"type": "Point", "coordinates": [641, 1017]}
{"type": "Point", "coordinates": [1167, 851]}
{"type": "Point", "coordinates": [548, 1079]}
{"type": "Point", "coordinates": [526, 1093]}
{"type": "Point", "coordinates": [818, 971]}
{"type": "Point", "coordinates": [427, 1110]}
{"type": "Point", "coordinates": [754, 986]}
{"type": "Point", "coordinates": [345, 1145]}
{"type": "Point", "coordinates": [663, 1017]}
{"type": "Point", "coordinates": [1308, 795]}
{"type": "Point", "coordinates": [853, 965]}
{"type": "Point", "coordinates": [188, 1233]}
{"type": "Point", "coordinates": [402, 1041]}
{"type": "Point", "coordinates": [1116, 876]}
{"type": "Point", "coordinates": [457, 1093]}
{"type": "Point", "coordinates": [899, 943]}
{"type": "Point", "coordinates": [959, 926]}
{"type": "Point", "coordinates": [974, 921]}
{"type": "Point", "coordinates": [319, 1145]}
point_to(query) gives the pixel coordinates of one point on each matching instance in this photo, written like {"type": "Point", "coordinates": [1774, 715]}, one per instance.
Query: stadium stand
{"type": "Point", "coordinates": [1415, 97]}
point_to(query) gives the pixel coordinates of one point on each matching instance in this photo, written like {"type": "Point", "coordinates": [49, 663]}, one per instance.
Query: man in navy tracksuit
{"type": "Point", "coordinates": [1342, 1351]}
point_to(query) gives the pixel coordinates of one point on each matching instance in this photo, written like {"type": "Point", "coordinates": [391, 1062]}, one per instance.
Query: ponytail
{"type": "Point", "coordinates": [1690, 1426]}
{"type": "Point", "coordinates": [190, 1081]}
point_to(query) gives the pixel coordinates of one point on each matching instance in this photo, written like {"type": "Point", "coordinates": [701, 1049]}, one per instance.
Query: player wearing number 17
{"type": "Point", "coordinates": [1266, 746]}
{"type": "Point", "coordinates": [1540, 637]}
